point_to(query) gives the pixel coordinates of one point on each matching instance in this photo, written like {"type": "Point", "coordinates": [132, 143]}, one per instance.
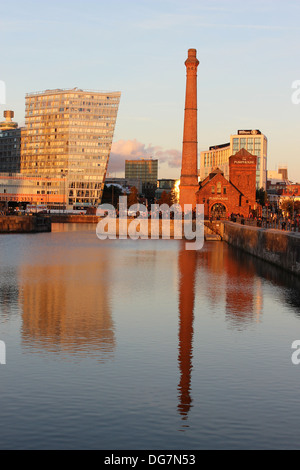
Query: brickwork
{"type": "Point", "coordinates": [189, 171]}
{"type": "Point", "coordinates": [234, 196]}
{"type": "Point", "coordinates": [242, 173]}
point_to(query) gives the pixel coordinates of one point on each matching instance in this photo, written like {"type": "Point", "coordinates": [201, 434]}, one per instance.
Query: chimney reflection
{"type": "Point", "coordinates": [187, 271]}
{"type": "Point", "coordinates": [66, 308]}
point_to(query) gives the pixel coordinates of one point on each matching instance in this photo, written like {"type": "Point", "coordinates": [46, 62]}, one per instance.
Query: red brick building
{"type": "Point", "coordinates": [222, 197]}
{"type": "Point", "coordinates": [291, 190]}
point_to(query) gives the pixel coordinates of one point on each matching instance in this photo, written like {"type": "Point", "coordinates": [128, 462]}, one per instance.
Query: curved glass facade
{"type": "Point", "coordinates": [69, 134]}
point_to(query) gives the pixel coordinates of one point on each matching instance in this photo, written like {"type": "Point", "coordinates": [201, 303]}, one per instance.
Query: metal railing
{"type": "Point", "coordinates": [287, 225]}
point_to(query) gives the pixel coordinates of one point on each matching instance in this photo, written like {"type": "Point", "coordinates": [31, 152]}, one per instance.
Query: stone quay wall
{"type": "Point", "coordinates": [74, 219]}
{"type": "Point", "coordinates": [24, 224]}
{"type": "Point", "coordinates": [275, 246]}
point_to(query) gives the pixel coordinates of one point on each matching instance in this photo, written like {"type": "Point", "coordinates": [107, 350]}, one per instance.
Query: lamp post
{"type": "Point", "coordinates": [64, 175]}
{"type": "Point", "coordinates": [293, 212]}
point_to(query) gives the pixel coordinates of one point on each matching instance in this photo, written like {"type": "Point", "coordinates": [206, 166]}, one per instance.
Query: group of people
{"type": "Point", "coordinates": [273, 221]}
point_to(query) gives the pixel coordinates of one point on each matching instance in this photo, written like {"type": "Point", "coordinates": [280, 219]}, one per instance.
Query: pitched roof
{"type": "Point", "coordinates": [212, 175]}
{"type": "Point", "coordinates": [243, 153]}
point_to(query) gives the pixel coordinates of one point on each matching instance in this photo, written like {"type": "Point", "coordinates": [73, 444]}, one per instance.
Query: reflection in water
{"type": "Point", "coordinates": [288, 282]}
{"type": "Point", "coordinates": [234, 283]}
{"type": "Point", "coordinates": [230, 280]}
{"type": "Point", "coordinates": [66, 307]}
{"type": "Point", "coordinates": [243, 297]}
{"type": "Point", "coordinates": [9, 293]}
{"type": "Point", "coordinates": [187, 270]}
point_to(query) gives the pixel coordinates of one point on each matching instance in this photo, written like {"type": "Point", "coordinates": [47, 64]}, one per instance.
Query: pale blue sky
{"type": "Point", "coordinates": [249, 58]}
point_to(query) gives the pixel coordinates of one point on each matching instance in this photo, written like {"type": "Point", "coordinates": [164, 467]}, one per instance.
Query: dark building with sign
{"type": "Point", "coordinates": [10, 144]}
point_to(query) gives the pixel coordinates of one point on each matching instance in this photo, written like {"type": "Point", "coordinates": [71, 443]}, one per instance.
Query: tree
{"type": "Point", "coordinates": [168, 198]}
{"type": "Point", "coordinates": [261, 196]}
{"type": "Point", "coordinates": [164, 198]}
{"type": "Point", "coordinates": [289, 206]}
{"type": "Point", "coordinates": [111, 195]}
{"type": "Point", "coordinates": [172, 198]}
{"type": "Point", "coordinates": [133, 197]}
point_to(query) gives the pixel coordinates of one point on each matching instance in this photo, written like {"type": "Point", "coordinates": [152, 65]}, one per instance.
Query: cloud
{"type": "Point", "coordinates": [132, 150]}
{"type": "Point", "coordinates": [173, 20]}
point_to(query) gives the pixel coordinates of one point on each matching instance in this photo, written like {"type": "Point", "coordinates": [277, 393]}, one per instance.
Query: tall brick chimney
{"type": "Point", "coordinates": [189, 170]}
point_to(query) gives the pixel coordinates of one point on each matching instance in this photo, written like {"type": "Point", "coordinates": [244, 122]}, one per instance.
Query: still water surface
{"type": "Point", "coordinates": [144, 345]}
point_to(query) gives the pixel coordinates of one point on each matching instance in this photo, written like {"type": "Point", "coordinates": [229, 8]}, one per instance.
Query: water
{"type": "Point", "coordinates": [144, 345]}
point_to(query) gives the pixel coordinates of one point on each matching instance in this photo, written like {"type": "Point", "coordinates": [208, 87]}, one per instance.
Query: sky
{"type": "Point", "coordinates": [249, 61]}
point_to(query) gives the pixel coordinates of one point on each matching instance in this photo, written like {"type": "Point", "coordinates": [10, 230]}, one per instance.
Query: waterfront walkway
{"type": "Point", "coordinates": [286, 225]}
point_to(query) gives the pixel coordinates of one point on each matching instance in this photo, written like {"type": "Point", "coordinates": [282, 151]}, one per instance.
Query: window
{"type": "Point", "coordinates": [258, 163]}
{"type": "Point", "coordinates": [250, 145]}
{"type": "Point", "coordinates": [213, 190]}
{"type": "Point", "coordinates": [224, 190]}
{"type": "Point", "coordinates": [219, 188]}
{"type": "Point", "coordinates": [243, 143]}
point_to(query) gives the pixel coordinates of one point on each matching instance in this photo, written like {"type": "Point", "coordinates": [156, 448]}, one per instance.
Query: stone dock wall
{"type": "Point", "coordinates": [93, 219]}
{"type": "Point", "coordinates": [275, 246]}
{"type": "Point", "coordinates": [74, 219]}
{"type": "Point", "coordinates": [24, 224]}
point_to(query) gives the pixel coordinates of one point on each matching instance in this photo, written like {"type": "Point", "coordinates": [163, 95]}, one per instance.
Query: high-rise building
{"type": "Point", "coordinates": [144, 170]}
{"type": "Point", "coordinates": [68, 134]}
{"type": "Point", "coordinates": [10, 144]}
{"type": "Point", "coordinates": [283, 170]}
{"type": "Point", "coordinates": [218, 156]}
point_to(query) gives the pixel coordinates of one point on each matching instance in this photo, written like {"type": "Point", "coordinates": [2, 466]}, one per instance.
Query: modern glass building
{"type": "Point", "coordinates": [69, 134]}
{"type": "Point", "coordinates": [144, 170]}
{"type": "Point", "coordinates": [10, 144]}
{"type": "Point", "coordinates": [251, 140]}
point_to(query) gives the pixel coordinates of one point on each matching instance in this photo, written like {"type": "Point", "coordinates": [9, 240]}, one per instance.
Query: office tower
{"type": "Point", "coordinates": [69, 134]}
{"type": "Point", "coordinates": [144, 170]}
{"type": "Point", "coordinates": [283, 170]}
{"type": "Point", "coordinates": [145, 173]}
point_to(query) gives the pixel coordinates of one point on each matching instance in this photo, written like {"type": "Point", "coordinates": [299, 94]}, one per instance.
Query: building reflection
{"type": "Point", "coordinates": [244, 297]}
{"type": "Point", "coordinates": [187, 271]}
{"type": "Point", "coordinates": [66, 308]}
{"type": "Point", "coordinates": [9, 294]}
{"type": "Point", "coordinates": [231, 280]}
{"type": "Point", "coordinates": [226, 277]}
{"type": "Point", "coordinates": [288, 283]}
{"type": "Point", "coordinates": [239, 290]}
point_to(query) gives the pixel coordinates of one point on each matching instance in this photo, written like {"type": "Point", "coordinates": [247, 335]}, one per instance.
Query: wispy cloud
{"type": "Point", "coordinates": [167, 21]}
{"type": "Point", "coordinates": [132, 149]}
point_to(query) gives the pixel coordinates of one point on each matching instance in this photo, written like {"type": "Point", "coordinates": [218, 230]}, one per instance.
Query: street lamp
{"type": "Point", "coordinates": [64, 175]}
{"type": "Point", "coordinates": [293, 213]}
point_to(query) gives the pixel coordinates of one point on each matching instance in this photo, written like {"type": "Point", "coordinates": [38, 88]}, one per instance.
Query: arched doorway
{"type": "Point", "coordinates": [218, 211]}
